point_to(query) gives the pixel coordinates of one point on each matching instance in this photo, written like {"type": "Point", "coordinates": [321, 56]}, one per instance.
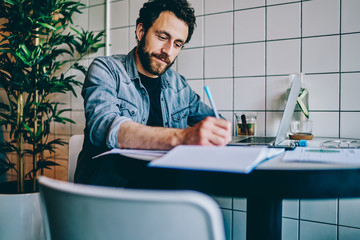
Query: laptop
{"type": "Point", "coordinates": [280, 139]}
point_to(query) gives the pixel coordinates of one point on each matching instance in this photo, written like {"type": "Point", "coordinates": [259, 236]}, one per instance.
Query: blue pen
{"type": "Point", "coordinates": [208, 93]}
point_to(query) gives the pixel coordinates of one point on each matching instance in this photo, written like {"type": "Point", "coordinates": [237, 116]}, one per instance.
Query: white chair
{"type": "Point", "coordinates": [75, 146]}
{"type": "Point", "coordinates": [75, 211]}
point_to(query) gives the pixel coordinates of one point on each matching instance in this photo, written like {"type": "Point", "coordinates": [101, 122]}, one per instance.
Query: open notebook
{"type": "Point", "coordinates": [210, 158]}
{"type": "Point", "coordinates": [280, 139]}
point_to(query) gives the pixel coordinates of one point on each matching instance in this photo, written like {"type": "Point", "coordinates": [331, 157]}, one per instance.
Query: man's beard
{"type": "Point", "coordinates": [149, 64]}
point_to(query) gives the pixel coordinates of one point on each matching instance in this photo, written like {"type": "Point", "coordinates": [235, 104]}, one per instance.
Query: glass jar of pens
{"type": "Point", "coordinates": [246, 123]}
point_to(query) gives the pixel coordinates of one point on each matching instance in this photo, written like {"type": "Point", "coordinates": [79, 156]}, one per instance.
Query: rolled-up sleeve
{"type": "Point", "coordinates": [101, 103]}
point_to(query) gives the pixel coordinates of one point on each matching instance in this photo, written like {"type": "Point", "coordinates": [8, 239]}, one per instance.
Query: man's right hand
{"type": "Point", "coordinates": [209, 132]}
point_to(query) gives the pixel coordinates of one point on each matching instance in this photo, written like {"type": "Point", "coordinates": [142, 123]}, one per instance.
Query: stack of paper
{"type": "Point", "coordinates": [227, 159]}
{"type": "Point", "coordinates": [318, 155]}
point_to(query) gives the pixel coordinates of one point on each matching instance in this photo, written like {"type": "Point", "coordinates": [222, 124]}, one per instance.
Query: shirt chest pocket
{"type": "Point", "coordinates": [180, 117]}
{"type": "Point", "coordinates": [127, 109]}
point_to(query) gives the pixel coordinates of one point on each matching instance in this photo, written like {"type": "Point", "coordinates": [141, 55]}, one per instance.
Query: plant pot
{"type": "Point", "coordinates": [20, 216]}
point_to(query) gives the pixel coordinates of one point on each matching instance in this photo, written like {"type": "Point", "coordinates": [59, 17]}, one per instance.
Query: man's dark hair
{"type": "Point", "coordinates": [181, 8]}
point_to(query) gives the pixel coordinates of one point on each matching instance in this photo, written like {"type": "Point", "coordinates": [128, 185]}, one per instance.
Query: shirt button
{"type": "Point", "coordinates": [166, 124]}
{"type": "Point", "coordinates": [132, 112]}
{"type": "Point", "coordinates": [144, 119]}
{"type": "Point", "coordinates": [162, 99]}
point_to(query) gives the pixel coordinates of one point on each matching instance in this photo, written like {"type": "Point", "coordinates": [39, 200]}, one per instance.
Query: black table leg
{"type": "Point", "coordinates": [264, 216]}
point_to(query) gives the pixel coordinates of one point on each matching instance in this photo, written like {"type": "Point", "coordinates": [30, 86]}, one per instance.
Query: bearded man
{"type": "Point", "coordinates": [137, 101]}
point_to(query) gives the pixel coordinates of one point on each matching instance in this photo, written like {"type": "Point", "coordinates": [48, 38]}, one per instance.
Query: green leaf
{"type": "Point", "coordinates": [26, 51]}
{"type": "Point", "coordinates": [75, 30]}
{"type": "Point", "coordinates": [9, 2]}
{"type": "Point", "coordinates": [45, 25]}
{"type": "Point", "coordinates": [28, 129]}
{"type": "Point", "coordinates": [23, 59]}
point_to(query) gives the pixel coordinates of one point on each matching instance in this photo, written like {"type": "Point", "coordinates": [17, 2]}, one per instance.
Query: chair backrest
{"type": "Point", "coordinates": [75, 146]}
{"type": "Point", "coordinates": [75, 211]}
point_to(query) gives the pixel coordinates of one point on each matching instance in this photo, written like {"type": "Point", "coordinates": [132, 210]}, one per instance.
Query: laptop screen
{"type": "Point", "coordinates": [289, 109]}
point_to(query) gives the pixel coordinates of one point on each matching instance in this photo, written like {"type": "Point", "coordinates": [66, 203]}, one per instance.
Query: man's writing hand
{"type": "Point", "coordinates": [209, 132]}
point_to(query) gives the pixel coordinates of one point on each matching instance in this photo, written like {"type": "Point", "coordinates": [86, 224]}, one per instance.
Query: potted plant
{"type": "Point", "coordinates": [38, 40]}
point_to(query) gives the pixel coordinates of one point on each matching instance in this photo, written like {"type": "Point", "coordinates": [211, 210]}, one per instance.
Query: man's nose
{"type": "Point", "coordinates": [168, 48]}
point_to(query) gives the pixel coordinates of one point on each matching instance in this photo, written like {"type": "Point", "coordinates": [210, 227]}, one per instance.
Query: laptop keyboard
{"type": "Point", "coordinates": [257, 140]}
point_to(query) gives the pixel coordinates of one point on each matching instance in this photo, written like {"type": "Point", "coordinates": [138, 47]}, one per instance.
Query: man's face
{"type": "Point", "coordinates": [160, 45]}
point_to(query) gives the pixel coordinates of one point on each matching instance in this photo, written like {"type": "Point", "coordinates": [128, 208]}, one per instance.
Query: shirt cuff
{"type": "Point", "coordinates": [112, 135]}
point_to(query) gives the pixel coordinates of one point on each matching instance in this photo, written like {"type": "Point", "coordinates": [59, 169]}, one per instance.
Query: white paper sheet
{"type": "Point", "coordinates": [135, 153]}
{"type": "Point", "coordinates": [227, 159]}
{"type": "Point", "coordinates": [318, 155]}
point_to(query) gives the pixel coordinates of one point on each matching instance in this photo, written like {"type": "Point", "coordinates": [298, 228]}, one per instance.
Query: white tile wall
{"type": "Point", "coordinates": [325, 124]}
{"type": "Point", "coordinates": [197, 39]}
{"type": "Point", "coordinates": [119, 41]}
{"type": "Point", "coordinates": [119, 14]}
{"type": "Point", "coordinates": [320, 20]}
{"type": "Point", "coordinates": [276, 92]}
{"type": "Point", "coordinates": [290, 227]}
{"type": "Point", "coordinates": [198, 87]}
{"type": "Point", "coordinates": [349, 212]}
{"type": "Point", "coordinates": [227, 215]}
{"type": "Point", "coordinates": [198, 5]}
{"type": "Point", "coordinates": [283, 21]}
{"type": "Point", "coordinates": [82, 19]}
{"type": "Point", "coordinates": [350, 55]}
{"type": "Point", "coordinates": [94, 2]}
{"type": "Point", "coordinates": [350, 17]}
{"type": "Point", "coordinates": [245, 55]}
{"type": "Point", "coordinates": [350, 88]}
{"type": "Point", "coordinates": [349, 124]}
{"type": "Point", "coordinates": [274, 2]}
{"type": "Point", "coordinates": [97, 18]}
{"type": "Point", "coordinates": [321, 98]}
{"type": "Point", "coordinates": [218, 29]}
{"type": "Point", "coordinates": [135, 6]}
{"type": "Point", "coordinates": [249, 59]}
{"type": "Point", "coordinates": [318, 231]}
{"type": "Point", "coordinates": [291, 208]}
{"type": "Point", "coordinates": [218, 61]}
{"type": "Point", "coordinates": [213, 6]}
{"type": "Point", "coordinates": [244, 93]}
{"type": "Point", "coordinates": [242, 4]}
{"type": "Point", "coordinates": [132, 38]}
{"type": "Point", "coordinates": [320, 54]}
{"type": "Point", "coordinates": [272, 123]}
{"type": "Point", "coordinates": [190, 63]}
{"type": "Point", "coordinates": [324, 211]}
{"type": "Point", "coordinates": [224, 202]}
{"type": "Point", "coordinates": [346, 233]}
{"type": "Point", "coordinates": [239, 225]}
{"type": "Point", "coordinates": [222, 91]}
{"type": "Point", "coordinates": [283, 57]}
{"type": "Point", "coordinates": [239, 204]}
{"type": "Point", "coordinates": [250, 25]}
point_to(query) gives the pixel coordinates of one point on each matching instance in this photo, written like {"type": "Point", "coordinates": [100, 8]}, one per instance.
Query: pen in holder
{"type": "Point", "coordinates": [246, 123]}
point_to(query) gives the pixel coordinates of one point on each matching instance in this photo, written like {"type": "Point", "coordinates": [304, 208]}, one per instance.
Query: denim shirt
{"type": "Point", "coordinates": [113, 94]}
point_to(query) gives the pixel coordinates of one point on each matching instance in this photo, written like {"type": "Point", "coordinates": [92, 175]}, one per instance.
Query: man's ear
{"type": "Point", "coordinates": [140, 31]}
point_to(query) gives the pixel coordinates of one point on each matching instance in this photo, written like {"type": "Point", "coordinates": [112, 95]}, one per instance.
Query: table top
{"type": "Point", "coordinates": [271, 179]}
